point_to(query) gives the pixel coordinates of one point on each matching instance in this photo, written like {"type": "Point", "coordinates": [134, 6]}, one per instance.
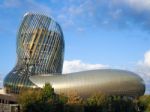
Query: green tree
{"type": "Point", "coordinates": [28, 98]}
{"type": "Point", "coordinates": [62, 99]}
{"type": "Point", "coordinates": [98, 99]}
{"type": "Point", "coordinates": [144, 103]}
{"type": "Point", "coordinates": [39, 100]}
{"type": "Point", "coordinates": [97, 103]}
{"type": "Point", "coordinates": [122, 104]}
{"type": "Point", "coordinates": [47, 93]}
{"type": "Point", "coordinates": [100, 102]}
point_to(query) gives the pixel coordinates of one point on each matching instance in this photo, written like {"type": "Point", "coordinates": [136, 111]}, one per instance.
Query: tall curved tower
{"type": "Point", "coordinates": [40, 49]}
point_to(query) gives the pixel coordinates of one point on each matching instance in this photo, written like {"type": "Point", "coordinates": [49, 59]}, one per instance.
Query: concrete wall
{"type": "Point", "coordinates": [5, 107]}
{"type": "Point", "coordinates": [2, 91]}
{"type": "Point", "coordinates": [9, 107]}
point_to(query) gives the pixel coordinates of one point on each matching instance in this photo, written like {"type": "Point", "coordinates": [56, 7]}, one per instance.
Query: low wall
{"type": "Point", "coordinates": [9, 107]}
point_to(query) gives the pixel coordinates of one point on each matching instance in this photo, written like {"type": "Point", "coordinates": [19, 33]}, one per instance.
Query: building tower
{"type": "Point", "coordinates": [40, 50]}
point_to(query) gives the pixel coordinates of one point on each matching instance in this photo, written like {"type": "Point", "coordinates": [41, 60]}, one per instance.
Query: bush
{"type": "Point", "coordinates": [40, 100]}
{"type": "Point", "coordinates": [45, 100]}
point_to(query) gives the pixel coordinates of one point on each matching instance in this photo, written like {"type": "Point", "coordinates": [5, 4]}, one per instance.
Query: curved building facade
{"type": "Point", "coordinates": [40, 49]}
{"type": "Point", "coordinates": [40, 55]}
{"type": "Point", "coordinates": [86, 83]}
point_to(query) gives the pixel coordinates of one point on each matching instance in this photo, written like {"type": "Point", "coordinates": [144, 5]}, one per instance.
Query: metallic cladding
{"type": "Point", "coordinates": [40, 50]}
{"type": "Point", "coordinates": [86, 83]}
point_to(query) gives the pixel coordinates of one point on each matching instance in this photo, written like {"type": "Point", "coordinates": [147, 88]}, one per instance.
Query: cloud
{"type": "Point", "coordinates": [1, 81]}
{"type": "Point", "coordinates": [146, 80]}
{"type": "Point", "coordinates": [110, 14]}
{"type": "Point", "coordinates": [80, 29]}
{"type": "Point", "coordinates": [143, 68]}
{"type": "Point", "coordinates": [78, 65]}
{"type": "Point", "coordinates": [38, 7]}
{"type": "Point", "coordinates": [147, 59]}
{"type": "Point", "coordinates": [28, 5]}
{"type": "Point", "coordinates": [140, 5]}
{"type": "Point", "coordinates": [144, 65]}
{"type": "Point", "coordinates": [78, 10]}
{"type": "Point", "coordinates": [10, 4]}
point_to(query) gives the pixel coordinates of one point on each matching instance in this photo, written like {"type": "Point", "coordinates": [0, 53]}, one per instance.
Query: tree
{"type": "Point", "coordinates": [39, 100]}
{"type": "Point", "coordinates": [97, 103]}
{"type": "Point", "coordinates": [122, 104]}
{"type": "Point", "coordinates": [62, 99]}
{"type": "Point", "coordinates": [74, 102]}
{"type": "Point", "coordinates": [74, 99]}
{"type": "Point", "coordinates": [144, 103]}
{"type": "Point", "coordinates": [47, 93]}
{"type": "Point", "coordinates": [100, 102]}
{"type": "Point", "coordinates": [28, 98]}
{"type": "Point", "coordinates": [98, 99]}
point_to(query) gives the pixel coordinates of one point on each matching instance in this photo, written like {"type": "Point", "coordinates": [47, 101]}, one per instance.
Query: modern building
{"type": "Point", "coordinates": [40, 50]}
{"type": "Point", "coordinates": [86, 83]}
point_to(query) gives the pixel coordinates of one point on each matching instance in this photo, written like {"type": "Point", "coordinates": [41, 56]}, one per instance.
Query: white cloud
{"type": "Point", "coordinates": [30, 5]}
{"type": "Point", "coordinates": [78, 65]}
{"type": "Point", "coordinates": [69, 15]}
{"type": "Point", "coordinates": [147, 59]}
{"type": "Point", "coordinates": [75, 10]}
{"type": "Point", "coordinates": [144, 65]}
{"type": "Point", "coordinates": [143, 69]}
{"type": "Point", "coordinates": [10, 3]}
{"type": "Point", "coordinates": [80, 29]}
{"type": "Point", "coordinates": [139, 5]}
{"type": "Point", "coordinates": [1, 84]}
{"type": "Point", "coordinates": [38, 7]}
{"type": "Point", "coordinates": [105, 13]}
{"type": "Point", "coordinates": [1, 81]}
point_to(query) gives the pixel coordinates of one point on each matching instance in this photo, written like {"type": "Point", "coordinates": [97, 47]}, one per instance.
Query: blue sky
{"type": "Point", "coordinates": [98, 33]}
